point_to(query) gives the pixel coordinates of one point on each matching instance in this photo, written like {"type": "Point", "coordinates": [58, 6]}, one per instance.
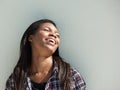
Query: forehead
{"type": "Point", "coordinates": [49, 26]}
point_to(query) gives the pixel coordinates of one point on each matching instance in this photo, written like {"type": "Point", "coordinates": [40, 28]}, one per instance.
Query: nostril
{"type": "Point", "coordinates": [53, 35]}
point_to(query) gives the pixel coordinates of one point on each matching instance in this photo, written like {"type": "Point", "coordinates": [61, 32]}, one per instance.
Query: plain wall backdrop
{"type": "Point", "coordinates": [90, 35]}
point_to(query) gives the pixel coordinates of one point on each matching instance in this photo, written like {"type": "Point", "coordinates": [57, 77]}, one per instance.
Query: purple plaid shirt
{"type": "Point", "coordinates": [53, 83]}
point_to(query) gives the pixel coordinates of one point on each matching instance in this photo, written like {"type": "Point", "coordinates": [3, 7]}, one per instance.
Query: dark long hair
{"type": "Point", "coordinates": [24, 62]}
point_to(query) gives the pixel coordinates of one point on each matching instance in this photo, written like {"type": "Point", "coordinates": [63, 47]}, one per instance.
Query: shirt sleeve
{"type": "Point", "coordinates": [10, 83]}
{"type": "Point", "coordinates": [78, 82]}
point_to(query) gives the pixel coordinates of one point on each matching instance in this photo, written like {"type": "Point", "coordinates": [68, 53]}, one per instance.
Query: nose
{"type": "Point", "coordinates": [52, 35]}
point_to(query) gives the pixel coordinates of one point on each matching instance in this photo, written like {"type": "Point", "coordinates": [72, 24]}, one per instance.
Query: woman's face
{"type": "Point", "coordinates": [46, 39]}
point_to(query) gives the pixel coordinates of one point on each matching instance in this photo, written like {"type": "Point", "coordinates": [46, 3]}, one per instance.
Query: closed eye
{"type": "Point", "coordinates": [46, 29]}
{"type": "Point", "coordinates": [58, 35]}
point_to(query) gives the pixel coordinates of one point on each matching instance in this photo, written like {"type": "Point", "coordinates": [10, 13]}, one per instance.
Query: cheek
{"type": "Point", "coordinates": [37, 39]}
{"type": "Point", "coordinates": [40, 36]}
{"type": "Point", "coordinates": [58, 42]}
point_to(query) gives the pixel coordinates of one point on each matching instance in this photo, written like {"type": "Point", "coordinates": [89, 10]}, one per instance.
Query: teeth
{"type": "Point", "coordinates": [52, 41]}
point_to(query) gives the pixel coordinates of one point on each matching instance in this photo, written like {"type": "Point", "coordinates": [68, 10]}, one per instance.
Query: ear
{"type": "Point", "coordinates": [30, 38]}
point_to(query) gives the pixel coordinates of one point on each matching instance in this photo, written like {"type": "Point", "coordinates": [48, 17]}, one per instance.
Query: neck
{"type": "Point", "coordinates": [41, 64]}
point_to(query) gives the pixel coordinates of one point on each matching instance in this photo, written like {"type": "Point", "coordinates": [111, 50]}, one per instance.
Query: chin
{"type": "Point", "coordinates": [51, 50]}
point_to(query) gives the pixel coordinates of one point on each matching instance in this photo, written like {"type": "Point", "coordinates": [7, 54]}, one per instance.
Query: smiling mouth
{"type": "Point", "coordinates": [51, 42]}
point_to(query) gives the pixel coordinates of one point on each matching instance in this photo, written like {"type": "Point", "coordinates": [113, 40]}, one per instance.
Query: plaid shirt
{"type": "Point", "coordinates": [53, 83]}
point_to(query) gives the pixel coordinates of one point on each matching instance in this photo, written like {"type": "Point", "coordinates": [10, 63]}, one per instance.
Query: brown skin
{"type": "Point", "coordinates": [43, 44]}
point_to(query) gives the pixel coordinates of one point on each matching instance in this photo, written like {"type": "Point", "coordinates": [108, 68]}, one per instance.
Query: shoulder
{"type": "Point", "coordinates": [9, 83]}
{"type": "Point", "coordinates": [78, 82]}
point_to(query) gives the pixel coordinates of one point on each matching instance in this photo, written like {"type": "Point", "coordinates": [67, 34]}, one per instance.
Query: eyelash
{"type": "Point", "coordinates": [49, 30]}
{"type": "Point", "coordinates": [58, 35]}
{"type": "Point", "coordinates": [46, 30]}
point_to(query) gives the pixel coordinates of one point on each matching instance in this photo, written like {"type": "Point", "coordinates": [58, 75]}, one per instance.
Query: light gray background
{"type": "Point", "coordinates": [90, 34]}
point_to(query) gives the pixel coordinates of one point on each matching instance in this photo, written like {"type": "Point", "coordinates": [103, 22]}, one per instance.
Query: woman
{"type": "Point", "coordinates": [40, 66]}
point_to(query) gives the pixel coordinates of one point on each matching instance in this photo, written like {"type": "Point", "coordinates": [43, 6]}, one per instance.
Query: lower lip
{"type": "Point", "coordinates": [51, 43]}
